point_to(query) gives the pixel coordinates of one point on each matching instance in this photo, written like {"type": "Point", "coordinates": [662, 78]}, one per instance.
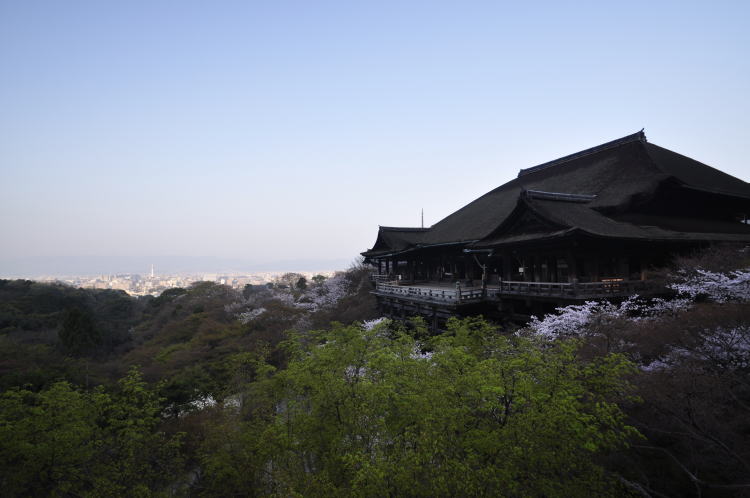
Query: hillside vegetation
{"type": "Point", "coordinates": [298, 389]}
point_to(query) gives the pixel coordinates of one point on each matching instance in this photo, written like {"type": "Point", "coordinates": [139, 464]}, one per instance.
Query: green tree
{"type": "Point", "coordinates": [137, 458]}
{"type": "Point", "coordinates": [301, 283]}
{"type": "Point", "coordinates": [366, 413]}
{"type": "Point", "coordinates": [67, 442]}
{"type": "Point", "coordinates": [239, 447]}
{"type": "Point", "coordinates": [289, 279]}
{"type": "Point", "coordinates": [78, 333]}
{"type": "Point", "coordinates": [47, 441]}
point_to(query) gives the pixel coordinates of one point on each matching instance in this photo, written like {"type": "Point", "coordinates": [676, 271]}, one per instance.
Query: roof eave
{"type": "Point", "coordinates": [417, 247]}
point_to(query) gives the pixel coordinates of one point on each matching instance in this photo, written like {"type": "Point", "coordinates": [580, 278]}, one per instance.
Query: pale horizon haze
{"type": "Point", "coordinates": [247, 135]}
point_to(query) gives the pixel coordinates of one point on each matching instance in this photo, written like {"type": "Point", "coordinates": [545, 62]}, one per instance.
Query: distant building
{"type": "Point", "coordinates": [584, 226]}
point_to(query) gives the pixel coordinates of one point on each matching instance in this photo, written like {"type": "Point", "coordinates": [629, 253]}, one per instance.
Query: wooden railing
{"type": "Point", "coordinates": [375, 277]}
{"type": "Point", "coordinates": [605, 288]}
{"type": "Point", "coordinates": [436, 294]}
{"type": "Point", "coordinates": [579, 290]}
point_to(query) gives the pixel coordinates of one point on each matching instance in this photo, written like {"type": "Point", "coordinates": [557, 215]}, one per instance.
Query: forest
{"type": "Point", "coordinates": [299, 388]}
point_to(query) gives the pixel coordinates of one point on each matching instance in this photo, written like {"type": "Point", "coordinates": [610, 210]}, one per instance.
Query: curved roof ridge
{"type": "Point", "coordinates": [635, 137]}
{"type": "Point", "coordinates": [559, 196]}
{"type": "Point", "coordinates": [403, 229]}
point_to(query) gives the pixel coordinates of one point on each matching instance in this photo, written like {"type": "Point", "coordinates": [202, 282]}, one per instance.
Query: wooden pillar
{"type": "Point", "coordinates": [623, 267]}
{"type": "Point", "coordinates": [552, 269]}
{"type": "Point", "coordinates": [595, 268]}
{"type": "Point", "coordinates": [507, 268]}
{"type": "Point", "coordinates": [528, 268]}
{"type": "Point", "coordinates": [572, 266]}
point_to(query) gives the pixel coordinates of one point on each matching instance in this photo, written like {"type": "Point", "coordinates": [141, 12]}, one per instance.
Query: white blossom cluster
{"type": "Point", "coordinates": [371, 324]}
{"type": "Point", "coordinates": [418, 354]}
{"type": "Point", "coordinates": [312, 299]}
{"type": "Point", "coordinates": [658, 307]}
{"type": "Point", "coordinates": [235, 307]}
{"type": "Point", "coordinates": [570, 320]}
{"type": "Point", "coordinates": [721, 347]}
{"type": "Point", "coordinates": [246, 317]}
{"type": "Point", "coordinates": [282, 295]}
{"type": "Point", "coordinates": [718, 287]}
{"type": "Point", "coordinates": [574, 320]}
{"type": "Point", "coordinates": [250, 308]}
{"type": "Point", "coordinates": [728, 347]}
{"type": "Point", "coordinates": [725, 348]}
{"type": "Point", "coordinates": [324, 295]}
{"type": "Point", "coordinates": [352, 374]}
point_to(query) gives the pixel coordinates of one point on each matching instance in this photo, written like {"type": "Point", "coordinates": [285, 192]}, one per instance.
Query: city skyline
{"type": "Point", "coordinates": [138, 285]}
{"type": "Point", "coordinates": [94, 266]}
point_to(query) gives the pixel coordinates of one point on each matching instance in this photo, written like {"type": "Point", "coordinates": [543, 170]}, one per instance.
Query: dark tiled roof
{"type": "Point", "coordinates": [603, 182]}
{"type": "Point", "coordinates": [588, 221]}
{"type": "Point", "coordinates": [395, 239]}
{"type": "Point", "coordinates": [635, 137]}
{"type": "Point", "coordinates": [696, 174]}
{"type": "Point", "coordinates": [559, 196]}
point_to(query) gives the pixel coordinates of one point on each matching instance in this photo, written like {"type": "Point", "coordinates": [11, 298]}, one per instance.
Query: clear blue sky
{"type": "Point", "coordinates": [270, 131]}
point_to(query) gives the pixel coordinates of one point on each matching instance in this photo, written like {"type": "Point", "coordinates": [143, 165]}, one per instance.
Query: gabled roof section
{"type": "Point", "coordinates": [534, 219]}
{"type": "Point", "coordinates": [525, 219]}
{"type": "Point", "coordinates": [695, 174]}
{"type": "Point", "coordinates": [635, 137]}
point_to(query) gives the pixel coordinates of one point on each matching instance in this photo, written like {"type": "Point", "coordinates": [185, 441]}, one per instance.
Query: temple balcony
{"type": "Point", "coordinates": [451, 294]}
{"type": "Point", "coordinates": [376, 278]}
{"type": "Point", "coordinates": [433, 292]}
{"type": "Point", "coordinates": [613, 287]}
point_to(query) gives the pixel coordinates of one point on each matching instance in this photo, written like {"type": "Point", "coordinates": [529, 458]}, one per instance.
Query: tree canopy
{"type": "Point", "coordinates": [367, 412]}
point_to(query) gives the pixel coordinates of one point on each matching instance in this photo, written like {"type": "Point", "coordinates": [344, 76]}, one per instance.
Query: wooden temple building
{"type": "Point", "coordinates": [584, 226]}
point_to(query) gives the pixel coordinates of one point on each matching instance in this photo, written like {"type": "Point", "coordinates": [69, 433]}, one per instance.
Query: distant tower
{"type": "Point", "coordinates": [152, 270]}
{"type": "Point", "coordinates": [422, 217]}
